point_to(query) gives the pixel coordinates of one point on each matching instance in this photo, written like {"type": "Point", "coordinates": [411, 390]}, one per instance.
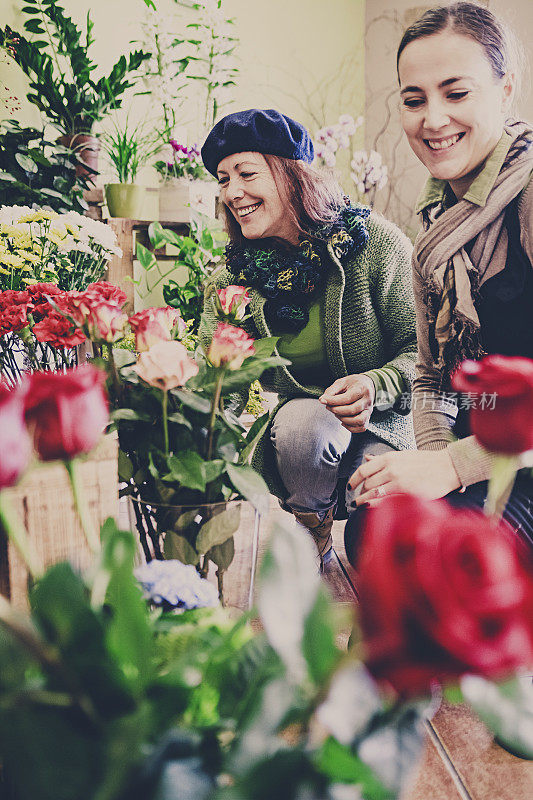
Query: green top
{"type": "Point", "coordinates": [306, 350]}
{"type": "Point", "coordinates": [436, 190]}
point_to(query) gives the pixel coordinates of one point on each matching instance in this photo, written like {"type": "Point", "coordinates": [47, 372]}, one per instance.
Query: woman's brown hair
{"type": "Point", "coordinates": [312, 197]}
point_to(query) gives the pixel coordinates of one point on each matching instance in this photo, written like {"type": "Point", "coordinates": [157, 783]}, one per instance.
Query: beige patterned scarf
{"type": "Point", "coordinates": [452, 276]}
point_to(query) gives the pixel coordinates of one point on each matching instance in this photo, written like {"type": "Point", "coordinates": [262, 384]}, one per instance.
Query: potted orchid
{"type": "Point", "coordinates": [184, 183]}
{"type": "Point", "coordinates": [183, 455]}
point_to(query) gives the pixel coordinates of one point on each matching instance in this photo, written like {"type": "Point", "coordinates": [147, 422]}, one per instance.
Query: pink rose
{"type": "Point", "coordinates": [103, 290]}
{"type": "Point", "coordinates": [155, 325]}
{"type": "Point", "coordinates": [166, 365]}
{"type": "Point", "coordinates": [233, 301]}
{"type": "Point", "coordinates": [106, 322]}
{"type": "Point", "coordinates": [230, 346]}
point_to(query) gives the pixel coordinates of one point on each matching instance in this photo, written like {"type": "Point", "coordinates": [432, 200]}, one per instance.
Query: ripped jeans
{"type": "Point", "coordinates": [316, 456]}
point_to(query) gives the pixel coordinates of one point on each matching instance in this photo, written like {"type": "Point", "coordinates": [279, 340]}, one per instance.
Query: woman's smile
{"type": "Point", "coordinates": [245, 211]}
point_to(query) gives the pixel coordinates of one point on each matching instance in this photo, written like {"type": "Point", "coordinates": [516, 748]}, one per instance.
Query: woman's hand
{"type": "Point", "coordinates": [351, 399]}
{"type": "Point", "coordinates": [426, 473]}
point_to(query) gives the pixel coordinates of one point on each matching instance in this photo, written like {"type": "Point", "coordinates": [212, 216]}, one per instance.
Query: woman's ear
{"type": "Point", "coordinates": [509, 85]}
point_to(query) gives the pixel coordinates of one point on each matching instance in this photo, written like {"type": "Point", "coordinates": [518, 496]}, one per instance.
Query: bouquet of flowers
{"type": "Point", "coordinates": [180, 161]}
{"type": "Point", "coordinates": [38, 245]}
{"type": "Point", "coordinates": [144, 703]}
{"type": "Point", "coordinates": [183, 455]}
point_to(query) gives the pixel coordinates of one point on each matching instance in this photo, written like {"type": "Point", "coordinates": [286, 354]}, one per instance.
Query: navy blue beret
{"type": "Point", "coordinates": [257, 131]}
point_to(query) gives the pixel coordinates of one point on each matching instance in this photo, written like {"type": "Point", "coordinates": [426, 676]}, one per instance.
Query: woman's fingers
{"type": "Point", "coordinates": [377, 493]}
{"type": "Point", "coordinates": [366, 470]}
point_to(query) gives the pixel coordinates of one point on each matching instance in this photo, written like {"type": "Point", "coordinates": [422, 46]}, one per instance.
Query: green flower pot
{"type": "Point", "coordinates": [124, 200]}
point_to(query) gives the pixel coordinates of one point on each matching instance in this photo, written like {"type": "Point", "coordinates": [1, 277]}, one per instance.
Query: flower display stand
{"type": "Point", "coordinates": [44, 503]}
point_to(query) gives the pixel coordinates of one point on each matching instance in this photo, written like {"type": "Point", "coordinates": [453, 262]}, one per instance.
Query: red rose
{"type": "Point", "coordinates": [15, 444]}
{"type": "Point", "coordinates": [442, 593]}
{"type": "Point", "coordinates": [66, 412]}
{"type": "Point", "coordinates": [58, 331]}
{"type": "Point", "coordinates": [230, 346]}
{"type": "Point", "coordinates": [501, 416]}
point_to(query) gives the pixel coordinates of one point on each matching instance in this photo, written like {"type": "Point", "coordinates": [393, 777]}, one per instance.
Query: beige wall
{"type": "Point", "coordinates": [385, 21]}
{"type": "Point", "coordinates": [305, 57]}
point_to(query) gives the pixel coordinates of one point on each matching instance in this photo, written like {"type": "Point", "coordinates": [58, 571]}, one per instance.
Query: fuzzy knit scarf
{"type": "Point", "coordinates": [290, 277]}
{"type": "Point", "coordinates": [451, 275]}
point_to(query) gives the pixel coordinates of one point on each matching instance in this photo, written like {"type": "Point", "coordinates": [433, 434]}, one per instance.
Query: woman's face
{"type": "Point", "coordinates": [249, 190]}
{"type": "Point", "coordinates": [452, 106]}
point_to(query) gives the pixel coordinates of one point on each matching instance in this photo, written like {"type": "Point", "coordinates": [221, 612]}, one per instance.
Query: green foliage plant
{"type": "Point", "coordinates": [128, 148]}
{"type": "Point", "coordinates": [60, 70]}
{"type": "Point", "coordinates": [34, 171]}
{"type": "Point", "coordinates": [199, 253]}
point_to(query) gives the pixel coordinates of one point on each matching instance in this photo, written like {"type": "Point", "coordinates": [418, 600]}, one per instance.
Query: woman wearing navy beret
{"type": "Point", "coordinates": [332, 281]}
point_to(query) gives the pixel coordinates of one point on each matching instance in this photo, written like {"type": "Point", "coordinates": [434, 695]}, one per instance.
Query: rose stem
{"type": "Point", "coordinates": [214, 408]}
{"type": "Point", "coordinates": [165, 419]}
{"type": "Point", "coordinates": [93, 540]}
{"type": "Point", "coordinates": [16, 532]}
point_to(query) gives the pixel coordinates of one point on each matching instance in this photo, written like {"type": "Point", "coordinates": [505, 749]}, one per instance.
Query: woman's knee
{"type": "Point", "coordinates": [304, 430]}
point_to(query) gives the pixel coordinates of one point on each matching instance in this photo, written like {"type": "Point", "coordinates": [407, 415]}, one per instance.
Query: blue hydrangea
{"type": "Point", "coordinates": [176, 585]}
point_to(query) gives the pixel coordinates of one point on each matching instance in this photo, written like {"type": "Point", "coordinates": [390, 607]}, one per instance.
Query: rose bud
{"type": "Point", "coordinates": [166, 365]}
{"type": "Point", "coordinates": [231, 302]}
{"type": "Point", "coordinates": [15, 443]}
{"type": "Point", "coordinates": [66, 412]}
{"type": "Point", "coordinates": [230, 346]}
{"type": "Point", "coordinates": [106, 322]}
{"type": "Point", "coordinates": [501, 418]}
{"type": "Point", "coordinates": [155, 325]}
{"type": "Point", "coordinates": [443, 592]}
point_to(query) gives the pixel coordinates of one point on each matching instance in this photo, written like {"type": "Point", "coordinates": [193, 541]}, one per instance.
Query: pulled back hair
{"type": "Point", "coordinates": [310, 196]}
{"type": "Point", "coordinates": [501, 47]}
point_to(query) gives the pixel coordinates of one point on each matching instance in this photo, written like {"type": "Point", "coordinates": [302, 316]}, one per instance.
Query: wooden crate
{"type": "Point", "coordinates": [44, 503]}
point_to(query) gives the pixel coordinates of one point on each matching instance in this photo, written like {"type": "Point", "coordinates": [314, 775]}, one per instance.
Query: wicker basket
{"type": "Point", "coordinates": [44, 502]}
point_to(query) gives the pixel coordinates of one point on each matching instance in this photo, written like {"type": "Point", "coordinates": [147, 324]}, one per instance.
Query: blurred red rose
{"type": "Point", "coordinates": [10, 297]}
{"type": "Point", "coordinates": [58, 331]}
{"type": "Point", "coordinates": [442, 593]}
{"type": "Point", "coordinates": [502, 416]}
{"type": "Point", "coordinates": [230, 346]}
{"type": "Point", "coordinates": [156, 325]}
{"type": "Point", "coordinates": [66, 412]}
{"type": "Point", "coordinates": [15, 444]}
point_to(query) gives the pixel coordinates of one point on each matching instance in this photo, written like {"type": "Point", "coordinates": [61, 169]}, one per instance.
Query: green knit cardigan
{"type": "Point", "coordinates": [369, 323]}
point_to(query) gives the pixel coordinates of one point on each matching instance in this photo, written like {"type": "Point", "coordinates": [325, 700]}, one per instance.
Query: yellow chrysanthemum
{"type": "Point", "coordinates": [38, 216]}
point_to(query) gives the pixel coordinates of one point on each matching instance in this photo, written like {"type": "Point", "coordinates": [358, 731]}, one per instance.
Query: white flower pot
{"type": "Point", "coordinates": [178, 196]}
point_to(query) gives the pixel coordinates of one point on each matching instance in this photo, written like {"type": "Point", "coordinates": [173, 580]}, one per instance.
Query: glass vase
{"type": "Point", "coordinates": [221, 539]}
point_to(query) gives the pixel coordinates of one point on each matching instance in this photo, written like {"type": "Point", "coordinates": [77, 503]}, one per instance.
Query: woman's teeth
{"type": "Point", "coordinates": [243, 212]}
{"type": "Point", "coordinates": [443, 144]}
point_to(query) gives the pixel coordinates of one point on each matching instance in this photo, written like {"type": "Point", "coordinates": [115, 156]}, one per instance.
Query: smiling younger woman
{"type": "Point", "coordinates": [332, 281]}
{"type": "Point", "coordinates": [472, 276]}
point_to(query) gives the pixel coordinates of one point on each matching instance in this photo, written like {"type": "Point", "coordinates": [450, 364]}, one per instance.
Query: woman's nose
{"type": "Point", "coordinates": [234, 190]}
{"type": "Point", "coordinates": [436, 116]}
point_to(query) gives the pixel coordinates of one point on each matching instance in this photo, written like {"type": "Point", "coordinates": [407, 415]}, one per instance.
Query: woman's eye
{"type": "Point", "coordinates": [413, 102]}
{"type": "Point", "coordinates": [457, 95]}
{"type": "Point", "coordinates": [248, 174]}
{"type": "Point", "coordinates": [222, 181]}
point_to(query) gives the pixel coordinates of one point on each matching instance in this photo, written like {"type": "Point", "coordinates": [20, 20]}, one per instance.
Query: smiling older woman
{"type": "Point", "coordinates": [331, 280]}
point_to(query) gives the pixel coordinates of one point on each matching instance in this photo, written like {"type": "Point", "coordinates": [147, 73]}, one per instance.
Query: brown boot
{"type": "Point", "coordinates": [320, 530]}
